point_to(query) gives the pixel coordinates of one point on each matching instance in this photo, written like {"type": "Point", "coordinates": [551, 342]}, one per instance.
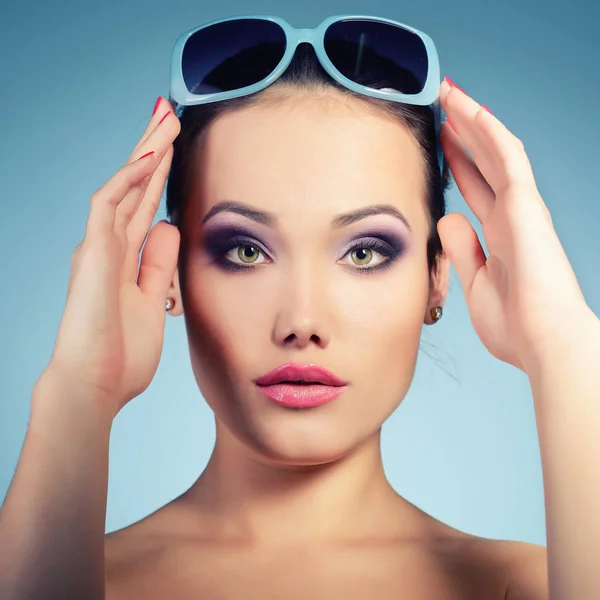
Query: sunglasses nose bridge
{"type": "Point", "coordinates": [306, 35]}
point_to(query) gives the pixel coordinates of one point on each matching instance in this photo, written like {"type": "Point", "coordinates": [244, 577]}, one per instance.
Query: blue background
{"type": "Point", "coordinates": [79, 81]}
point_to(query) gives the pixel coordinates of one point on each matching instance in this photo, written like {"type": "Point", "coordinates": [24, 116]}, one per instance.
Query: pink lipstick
{"type": "Point", "coordinates": [301, 386]}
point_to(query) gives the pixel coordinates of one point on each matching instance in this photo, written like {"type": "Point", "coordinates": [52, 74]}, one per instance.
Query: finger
{"type": "Point", "coordinates": [142, 147]}
{"type": "Point", "coordinates": [140, 224]}
{"type": "Point", "coordinates": [159, 261]}
{"type": "Point", "coordinates": [461, 111]}
{"type": "Point", "coordinates": [471, 183]}
{"type": "Point", "coordinates": [163, 107]}
{"type": "Point", "coordinates": [159, 140]}
{"type": "Point", "coordinates": [463, 248]}
{"type": "Point", "coordinates": [499, 155]}
{"type": "Point", "coordinates": [105, 200]}
{"type": "Point", "coordinates": [510, 163]}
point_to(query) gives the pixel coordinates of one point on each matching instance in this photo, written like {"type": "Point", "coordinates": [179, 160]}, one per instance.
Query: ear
{"type": "Point", "coordinates": [175, 295]}
{"type": "Point", "coordinates": [438, 287]}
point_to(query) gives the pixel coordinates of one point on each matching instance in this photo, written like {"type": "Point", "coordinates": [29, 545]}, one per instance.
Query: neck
{"type": "Point", "coordinates": [248, 498]}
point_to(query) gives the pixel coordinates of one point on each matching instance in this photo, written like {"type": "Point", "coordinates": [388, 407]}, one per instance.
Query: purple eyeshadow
{"type": "Point", "coordinates": [219, 239]}
{"type": "Point", "coordinates": [387, 238]}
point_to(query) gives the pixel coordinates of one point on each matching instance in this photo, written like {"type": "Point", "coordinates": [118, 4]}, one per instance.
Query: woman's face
{"type": "Point", "coordinates": [305, 235]}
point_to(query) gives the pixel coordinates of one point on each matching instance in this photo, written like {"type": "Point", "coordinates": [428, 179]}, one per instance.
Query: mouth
{"type": "Point", "coordinates": [293, 373]}
{"type": "Point", "coordinates": [301, 386]}
{"type": "Point", "coordinates": [300, 382]}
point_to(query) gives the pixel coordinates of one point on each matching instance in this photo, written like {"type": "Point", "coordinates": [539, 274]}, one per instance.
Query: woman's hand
{"type": "Point", "coordinates": [524, 296]}
{"type": "Point", "coordinates": [110, 337]}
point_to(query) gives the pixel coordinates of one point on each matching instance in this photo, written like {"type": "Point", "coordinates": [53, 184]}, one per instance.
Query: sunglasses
{"type": "Point", "coordinates": [238, 56]}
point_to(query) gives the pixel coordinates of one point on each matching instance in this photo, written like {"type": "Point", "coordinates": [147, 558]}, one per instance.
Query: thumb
{"type": "Point", "coordinates": [462, 246]}
{"type": "Point", "coordinates": [159, 261]}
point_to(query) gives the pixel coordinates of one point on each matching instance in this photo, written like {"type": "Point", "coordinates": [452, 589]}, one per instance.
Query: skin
{"type": "Point", "coordinates": [295, 503]}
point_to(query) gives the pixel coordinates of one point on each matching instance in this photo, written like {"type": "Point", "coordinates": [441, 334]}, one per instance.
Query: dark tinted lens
{"type": "Point", "coordinates": [231, 55]}
{"type": "Point", "coordinates": [378, 55]}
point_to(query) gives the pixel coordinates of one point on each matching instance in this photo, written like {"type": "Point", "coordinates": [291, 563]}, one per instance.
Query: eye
{"type": "Point", "coordinates": [246, 254]}
{"type": "Point", "coordinates": [361, 256]}
{"type": "Point", "coordinates": [369, 254]}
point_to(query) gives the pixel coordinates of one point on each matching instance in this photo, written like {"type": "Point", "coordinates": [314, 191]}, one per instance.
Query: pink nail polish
{"type": "Point", "coordinates": [486, 108]}
{"type": "Point", "coordinates": [164, 117]}
{"type": "Point", "coordinates": [450, 123]}
{"type": "Point", "coordinates": [156, 104]}
{"type": "Point", "coordinates": [452, 84]}
{"type": "Point", "coordinates": [148, 154]}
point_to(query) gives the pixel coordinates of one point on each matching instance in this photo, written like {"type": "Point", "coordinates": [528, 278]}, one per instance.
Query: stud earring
{"type": "Point", "coordinates": [169, 304]}
{"type": "Point", "coordinates": [436, 313]}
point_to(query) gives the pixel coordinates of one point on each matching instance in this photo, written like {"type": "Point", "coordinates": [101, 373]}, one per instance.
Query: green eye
{"type": "Point", "coordinates": [361, 256]}
{"type": "Point", "coordinates": [248, 254]}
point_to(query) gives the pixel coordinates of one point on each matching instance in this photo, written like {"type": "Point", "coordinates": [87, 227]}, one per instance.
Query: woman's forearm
{"type": "Point", "coordinates": [566, 390]}
{"type": "Point", "coordinates": [53, 518]}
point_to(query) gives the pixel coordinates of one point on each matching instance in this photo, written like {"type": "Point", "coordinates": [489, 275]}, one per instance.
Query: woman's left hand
{"type": "Point", "coordinates": [524, 297]}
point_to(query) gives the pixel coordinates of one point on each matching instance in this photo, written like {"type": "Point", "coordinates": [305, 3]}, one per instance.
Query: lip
{"type": "Point", "coordinates": [301, 386]}
{"type": "Point", "coordinates": [292, 372]}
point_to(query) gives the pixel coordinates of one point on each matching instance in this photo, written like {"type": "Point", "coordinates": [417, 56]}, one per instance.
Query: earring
{"type": "Point", "coordinates": [169, 304]}
{"type": "Point", "coordinates": [436, 313]}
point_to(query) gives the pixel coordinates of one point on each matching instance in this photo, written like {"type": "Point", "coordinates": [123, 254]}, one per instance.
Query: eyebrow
{"type": "Point", "coordinates": [368, 211]}
{"type": "Point", "coordinates": [241, 209]}
{"type": "Point", "coordinates": [343, 220]}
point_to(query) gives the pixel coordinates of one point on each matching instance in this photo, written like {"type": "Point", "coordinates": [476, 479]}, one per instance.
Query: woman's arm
{"type": "Point", "coordinates": [106, 353]}
{"type": "Point", "coordinates": [565, 382]}
{"type": "Point", "coordinates": [53, 517]}
{"type": "Point", "coordinates": [529, 311]}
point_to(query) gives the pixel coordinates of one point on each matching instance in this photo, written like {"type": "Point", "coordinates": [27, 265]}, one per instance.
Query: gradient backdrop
{"type": "Point", "coordinates": [79, 81]}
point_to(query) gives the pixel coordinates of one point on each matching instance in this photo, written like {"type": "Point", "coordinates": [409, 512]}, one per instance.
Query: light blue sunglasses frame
{"type": "Point", "coordinates": [429, 96]}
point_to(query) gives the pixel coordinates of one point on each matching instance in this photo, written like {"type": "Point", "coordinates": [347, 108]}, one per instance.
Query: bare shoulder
{"type": "Point", "coordinates": [522, 566]}
{"type": "Point", "coordinates": [488, 567]}
{"type": "Point", "coordinates": [526, 569]}
{"type": "Point", "coordinates": [132, 552]}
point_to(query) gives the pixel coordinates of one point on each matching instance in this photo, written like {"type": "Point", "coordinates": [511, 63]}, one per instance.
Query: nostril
{"type": "Point", "coordinates": [303, 340]}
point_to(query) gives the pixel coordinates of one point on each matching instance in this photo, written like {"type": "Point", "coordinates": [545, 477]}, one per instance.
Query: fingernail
{"type": "Point", "coordinates": [164, 117]}
{"type": "Point", "coordinates": [450, 123]}
{"type": "Point", "coordinates": [147, 154]}
{"type": "Point", "coordinates": [452, 84]}
{"type": "Point", "coordinates": [486, 108]}
{"type": "Point", "coordinates": [156, 104]}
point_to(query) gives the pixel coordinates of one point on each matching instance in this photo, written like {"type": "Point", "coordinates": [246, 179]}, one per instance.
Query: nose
{"type": "Point", "coordinates": [304, 317]}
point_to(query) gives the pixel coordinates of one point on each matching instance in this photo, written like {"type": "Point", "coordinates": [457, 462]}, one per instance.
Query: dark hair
{"type": "Point", "coordinates": [306, 72]}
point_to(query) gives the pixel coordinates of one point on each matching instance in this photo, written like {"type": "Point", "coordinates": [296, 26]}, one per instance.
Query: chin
{"type": "Point", "coordinates": [303, 437]}
{"type": "Point", "coordinates": [297, 437]}
{"type": "Point", "coordinates": [306, 453]}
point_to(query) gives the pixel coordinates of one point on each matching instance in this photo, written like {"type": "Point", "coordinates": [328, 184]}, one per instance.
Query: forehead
{"type": "Point", "coordinates": [310, 156]}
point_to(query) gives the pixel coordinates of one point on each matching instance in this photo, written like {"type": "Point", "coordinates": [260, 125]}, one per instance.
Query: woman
{"type": "Point", "coordinates": [307, 246]}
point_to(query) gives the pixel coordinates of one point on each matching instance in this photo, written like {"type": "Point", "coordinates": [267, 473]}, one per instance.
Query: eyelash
{"type": "Point", "coordinates": [378, 246]}
{"type": "Point", "coordinates": [386, 250]}
{"type": "Point", "coordinates": [233, 243]}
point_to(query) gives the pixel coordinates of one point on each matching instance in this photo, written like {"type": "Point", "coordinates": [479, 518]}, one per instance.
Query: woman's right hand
{"type": "Point", "coordinates": [110, 338]}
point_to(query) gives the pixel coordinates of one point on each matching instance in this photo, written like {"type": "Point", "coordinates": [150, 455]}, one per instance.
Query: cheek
{"type": "Point", "coordinates": [383, 309]}
{"type": "Point", "coordinates": [232, 311]}
{"type": "Point", "coordinates": [381, 321]}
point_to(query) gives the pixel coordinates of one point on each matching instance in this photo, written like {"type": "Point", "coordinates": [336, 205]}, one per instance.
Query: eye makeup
{"type": "Point", "coordinates": [219, 240]}
{"type": "Point", "coordinates": [374, 245]}
{"type": "Point", "coordinates": [384, 241]}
